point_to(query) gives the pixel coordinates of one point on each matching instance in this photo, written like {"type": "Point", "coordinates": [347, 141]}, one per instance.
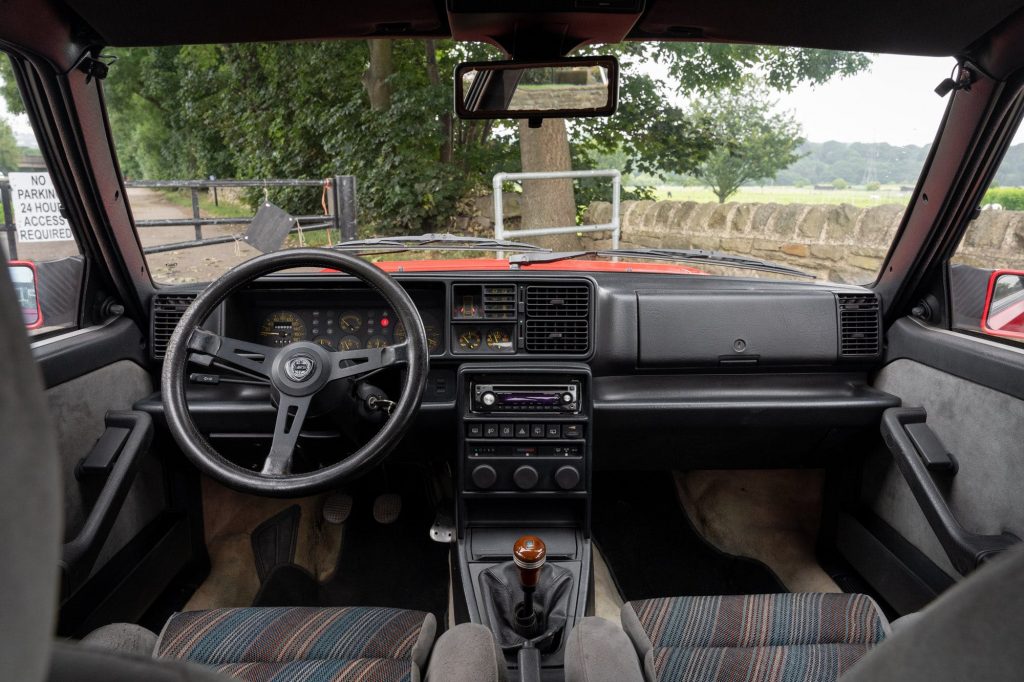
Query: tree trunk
{"type": "Point", "coordinates": [548, 203]}
{"type": "Point", "coordinates": [375, 80]}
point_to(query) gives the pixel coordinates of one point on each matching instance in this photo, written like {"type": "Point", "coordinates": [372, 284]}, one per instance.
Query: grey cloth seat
{"type": "Point", "coordinates": [972, 632]}
{"type": "Point", "coordinates": [31, 535]}
{"type": "Point", "coordinates": [767, 637]}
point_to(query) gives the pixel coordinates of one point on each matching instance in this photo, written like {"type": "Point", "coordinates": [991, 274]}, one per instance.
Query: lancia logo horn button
{"type": "Point", "coordinates": [299, 368]}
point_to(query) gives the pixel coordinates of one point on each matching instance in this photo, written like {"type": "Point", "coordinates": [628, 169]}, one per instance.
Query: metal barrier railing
{"type": "Point", "coordinates": [341, 209]}
{"type": "Point", "coordinates": [499, 209]}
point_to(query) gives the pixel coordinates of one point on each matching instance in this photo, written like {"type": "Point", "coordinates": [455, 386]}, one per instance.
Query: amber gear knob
{"type": "Point", "coordinates": [529, 555]}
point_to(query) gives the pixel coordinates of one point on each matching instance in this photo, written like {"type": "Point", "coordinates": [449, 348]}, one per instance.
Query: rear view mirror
{"type": "Point", "coordinates": [565, 88]}
{"type": "Point", "coordinates": [1004, 305]}
{"type": "Point", "coordinates": [23, 277]}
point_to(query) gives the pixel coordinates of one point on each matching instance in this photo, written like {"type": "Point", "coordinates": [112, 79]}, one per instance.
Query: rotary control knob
{"type": "Point", "coordinates": [567, 398]}
{"type": "Point", "coordinates": [525, 477]}
{"type": "Point", "coordinates": [488, 399]}
{"type": "Point", "coordinates": [484, 476]}
{"type": "Point", "coordinates": [567, 477]}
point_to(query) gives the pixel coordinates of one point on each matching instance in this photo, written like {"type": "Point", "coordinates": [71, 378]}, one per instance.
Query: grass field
{"type": "Point", "coordinates": [789, 195]}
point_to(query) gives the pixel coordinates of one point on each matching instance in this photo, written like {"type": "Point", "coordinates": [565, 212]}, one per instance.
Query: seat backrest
{"type": "Point", "coordinates": [30, 505]}
{"type": "Point", "coordinates": [972, 632]}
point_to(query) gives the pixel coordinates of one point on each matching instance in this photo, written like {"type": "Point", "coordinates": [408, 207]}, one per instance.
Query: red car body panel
{"type": "Point", "coordinates": [502, 264]}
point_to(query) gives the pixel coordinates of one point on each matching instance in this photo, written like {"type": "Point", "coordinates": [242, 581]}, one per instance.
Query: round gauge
{"type": "Point", "coordinates": [281, 328]}
{"type": "Point", "coordinates": [376, 341]}
{"type": "Point", "coordinates": [499, 340]}
{"type": "Point", "coordinates": [433, 335]}
{"type": "Point", "coordinates": [349, 343]}
{"type": "Point", "coordinates": [469, 339]}
{"type": "Point", "coordinates": [325, 342]}
{"type": "Point", "coordinates": [350, 322]}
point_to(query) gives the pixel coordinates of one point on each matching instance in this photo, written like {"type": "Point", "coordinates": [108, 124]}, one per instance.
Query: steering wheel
{"type": "Point", "coordinates": [297, 373]}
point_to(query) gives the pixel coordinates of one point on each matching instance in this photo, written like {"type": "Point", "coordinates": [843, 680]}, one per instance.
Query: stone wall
{"type": "Point", "coordinates": [839, 243]}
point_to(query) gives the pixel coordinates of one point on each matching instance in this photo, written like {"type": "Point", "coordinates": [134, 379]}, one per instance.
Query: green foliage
{"type": "Point", "coordinates": [839, 183]}
{"type": "Point", "coordinates": [1010, 198]}
{"type": "Point", "coordinates": [873, 186]}
{"type": "Point", "coordinates": [741, 140]}
{"type": "Point", "coordinates": [9, 154]}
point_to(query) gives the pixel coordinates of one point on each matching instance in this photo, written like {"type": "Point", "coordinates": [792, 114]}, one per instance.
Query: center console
{"type": "Point", "coordinates": [524, 470]}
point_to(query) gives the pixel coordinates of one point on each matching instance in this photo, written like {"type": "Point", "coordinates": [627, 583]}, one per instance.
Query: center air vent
{"type": "Point", "coordinates": [499, 301]}
{"type": "Point", "coordinates": [558, 301]}
{"type": "Point", "coordinates": [557, 318]}
{"type": "Point", "coordinates": [167, 310]}
{"type": "Point", "coordinates": [860, 326]}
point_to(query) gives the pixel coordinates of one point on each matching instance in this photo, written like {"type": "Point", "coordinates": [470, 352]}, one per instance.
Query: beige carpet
{"type": "Point", "coordinates": [229, 518]}
{"type": "Point", "coordinates": [771, 516]}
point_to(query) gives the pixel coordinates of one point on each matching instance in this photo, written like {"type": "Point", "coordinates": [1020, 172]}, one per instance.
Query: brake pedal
{"type": "Point", "coordinates": [337, 508]}
{"type": "Point", "coordinates": [386, 508]}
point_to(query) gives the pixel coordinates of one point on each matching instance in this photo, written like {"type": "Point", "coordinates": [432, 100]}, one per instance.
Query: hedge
{"type": "Point", "coordinates": [1010, 198]}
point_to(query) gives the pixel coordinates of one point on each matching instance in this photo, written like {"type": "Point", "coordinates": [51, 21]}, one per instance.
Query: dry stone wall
{"type": "Point", "coordinates": [839, 243]}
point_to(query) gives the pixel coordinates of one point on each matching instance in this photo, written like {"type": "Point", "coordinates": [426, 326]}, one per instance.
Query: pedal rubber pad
{"type": "Point", "coordinates": [337, 508]}
{"type": "Point", "coordinates": [386, 508]}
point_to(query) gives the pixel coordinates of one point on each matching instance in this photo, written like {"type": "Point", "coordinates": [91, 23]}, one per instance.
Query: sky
{"type": "Point", "coordinates": [893, 102]}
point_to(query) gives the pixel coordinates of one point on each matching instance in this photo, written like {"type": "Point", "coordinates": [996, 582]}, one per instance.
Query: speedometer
{"type": "Point", "coordinates": [281, 328]}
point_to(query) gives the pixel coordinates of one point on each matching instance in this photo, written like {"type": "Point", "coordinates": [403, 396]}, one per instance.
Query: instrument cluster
{"type": "Point", "coordinates": [343, 328]}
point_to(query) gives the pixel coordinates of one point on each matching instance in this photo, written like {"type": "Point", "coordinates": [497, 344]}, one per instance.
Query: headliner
{"type": "Point", "coordinates": [923, 27]}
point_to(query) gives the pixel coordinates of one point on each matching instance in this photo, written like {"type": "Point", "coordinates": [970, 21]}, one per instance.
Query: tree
{"type": "Point", "coordinates": [749, 143]}
{"type": "Point", "coordinates": [9, 154]}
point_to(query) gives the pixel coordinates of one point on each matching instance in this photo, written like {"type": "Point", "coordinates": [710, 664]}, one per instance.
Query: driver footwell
{"type": "Point", "coordinates": [392, 564]}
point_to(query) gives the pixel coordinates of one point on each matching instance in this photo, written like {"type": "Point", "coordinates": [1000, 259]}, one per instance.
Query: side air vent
{"type": "Point", "coordinates": [559, 301]}
{"type": "Point", "coordinates": [167, 310]}
{"type": "Point", "coordinates": [860, 326]}
{"type": "Point", "coordinates": [499, 301]}
{"type": "Point", "coordinates": [557, 336]}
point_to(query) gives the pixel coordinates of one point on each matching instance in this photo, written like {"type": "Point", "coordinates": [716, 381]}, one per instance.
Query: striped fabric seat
{"type": "Point", "coordinates": [755, 638]}
{"type": "Point", "coordinates": [298, 644]}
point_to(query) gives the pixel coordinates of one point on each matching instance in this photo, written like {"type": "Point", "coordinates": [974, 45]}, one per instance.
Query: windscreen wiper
{"type": "Point", "coordinates": [679, 255]}
{"type": "Point", "coordinates": [436, 242]}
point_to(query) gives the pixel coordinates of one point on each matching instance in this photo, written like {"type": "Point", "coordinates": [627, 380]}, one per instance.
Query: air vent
{"type": "Point", "coordinates": [860, 326]}
{"type": "Point", "coordinates": [558, 301]}
{"type": "Point", "coordinates": [499, 301]}
{"type": "Point", "coordinates": [167, 310]}
{"type": "Point", "coordinates": [557, 336]}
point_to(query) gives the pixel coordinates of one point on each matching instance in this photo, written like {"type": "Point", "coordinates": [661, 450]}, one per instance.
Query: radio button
{"type": "Point", "coordinates": [522, 430]}
{"type": "Point", "coordinates": [488, 399]}
{"type": "Point", "coordinates": [490, 430]}
{"type": "Point", "coordinates": [553, 431]}
{"type": "Point", "coordinates": [536, 430]}
{"type": "Point", "coordinates": [506, 431]}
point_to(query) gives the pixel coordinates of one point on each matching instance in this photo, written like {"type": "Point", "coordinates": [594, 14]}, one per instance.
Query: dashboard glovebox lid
{"type": "Point", "coordinates": [736, 328]}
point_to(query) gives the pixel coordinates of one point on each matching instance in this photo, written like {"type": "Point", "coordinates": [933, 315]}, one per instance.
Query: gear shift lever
{"type": "Point", "coordinates": [529, 555]}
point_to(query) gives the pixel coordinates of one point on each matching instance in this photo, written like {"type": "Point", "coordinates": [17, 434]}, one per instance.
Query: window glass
{"type": "Point", "coordinates": [987, 271]}
{"type": "Point", "coordinates": [43, 258]}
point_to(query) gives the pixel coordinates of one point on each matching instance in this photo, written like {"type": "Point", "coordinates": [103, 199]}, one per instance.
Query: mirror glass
{"type": "Point", "coordinates": [509, 90]}
{"type": "Point", "coordinates": [1004, 313]}
{"type": "Point", "coordinates": [24, 279]}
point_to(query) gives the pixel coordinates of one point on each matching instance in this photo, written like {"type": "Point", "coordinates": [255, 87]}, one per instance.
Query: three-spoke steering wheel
{"type": "Point", "coordinates": [297, 372]}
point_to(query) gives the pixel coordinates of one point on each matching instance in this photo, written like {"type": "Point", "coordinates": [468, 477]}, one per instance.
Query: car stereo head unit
{"type": "Point", "coordinates": [526, 397]}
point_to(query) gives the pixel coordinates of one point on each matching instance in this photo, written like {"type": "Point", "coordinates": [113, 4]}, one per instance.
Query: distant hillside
{"type": "Point", "coordinates": [859, 163]}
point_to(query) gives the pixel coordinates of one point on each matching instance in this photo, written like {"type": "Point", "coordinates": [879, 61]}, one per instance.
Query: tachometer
{"type": "Point", "coordinates": [469, 339]}
{"type": "Point", "coordinates": [281, 328]}
{"type": "Point", "coordinates": [350, 322]}
{"type": "Point", "coordinates": [433, 334]}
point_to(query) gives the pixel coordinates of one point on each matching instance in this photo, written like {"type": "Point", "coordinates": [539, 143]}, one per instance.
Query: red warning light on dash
{"type": "Point", "coordinates": [384, 322]}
